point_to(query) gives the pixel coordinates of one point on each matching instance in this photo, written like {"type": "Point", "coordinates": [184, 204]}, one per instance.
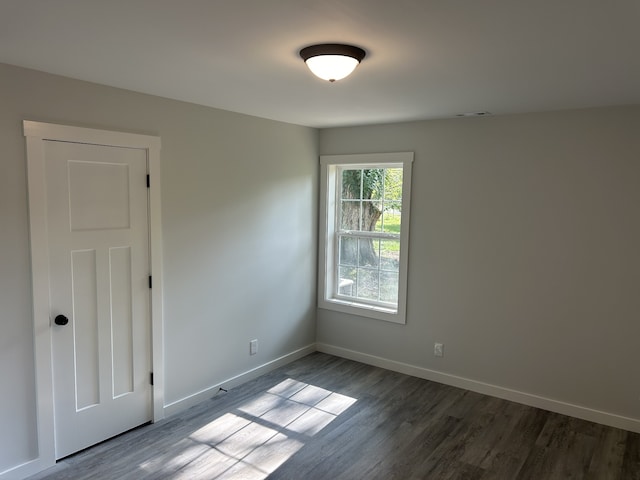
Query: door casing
{"type": "Point", "coordinates": [36, 133]}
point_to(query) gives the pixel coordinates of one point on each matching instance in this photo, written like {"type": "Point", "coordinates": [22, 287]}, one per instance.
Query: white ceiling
{"type": "Point", "coordinates": [425, 58]}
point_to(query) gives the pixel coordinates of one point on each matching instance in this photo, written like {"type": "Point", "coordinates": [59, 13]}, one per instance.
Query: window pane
{"type": "Point", "coordinates": [351, 182]}
{"type": "Point", "coordinates": [350, 215]}
{"type": "Point", "coordinates": [389, 287]}
{"type": "Point", "coordinates": [389, 255]}
{"type": "Point", "coordinates": [348, 251]}
{"type": "Point", "coordinates": [371, 212]}
{"type": "Point", "coordinates": [368, 252]}
{"type": "Point", "coordinates": [391, 217]}
{"type": "Point", "coordinates": [346, 281]}
{"type": "Point", "coordinates": [367, 284]}
{"type": "Point", "coordinates": [373, 183]}
{"type": "Point", "coordinates": [393, 184]}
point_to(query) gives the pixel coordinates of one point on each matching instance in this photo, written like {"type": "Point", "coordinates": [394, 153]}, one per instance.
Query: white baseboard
{"type": "Point", "coordinates": [205, 394]}
{"type": "Point", "coordinates": [24, 470]}
{"type": "Point", "coordinates": [529, 399]}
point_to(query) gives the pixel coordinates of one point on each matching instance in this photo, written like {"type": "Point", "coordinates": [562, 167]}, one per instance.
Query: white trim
{"type": "Point", "coordinates": [36, 133]}
{"type": "Point", "coordinates": [532, 400]}
{"type": "Point", "coordinates": [326, 251]}
{"type": "Point", "coordinates": [157, 291]}
{"type": "Point", "coordinates": [378, 159]}
{"type": "Point", "coordinates": [66, 133]}
{"type": "Point", "coordinates": [207, 393]}
{"type": "Point", "coordinates": [25, 470]}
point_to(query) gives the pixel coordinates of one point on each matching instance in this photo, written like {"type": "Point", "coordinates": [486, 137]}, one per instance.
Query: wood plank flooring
{"type": "Point", "coordinates": [324, 417]}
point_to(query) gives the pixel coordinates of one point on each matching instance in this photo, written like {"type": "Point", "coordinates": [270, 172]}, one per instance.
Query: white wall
{"type": "Point", "coordinates": [239, 202]}
{"type": "Point", "coordinates": [524, 255]}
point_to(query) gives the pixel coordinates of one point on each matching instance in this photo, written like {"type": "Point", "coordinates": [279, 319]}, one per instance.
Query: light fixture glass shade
{"type": "Point", "coordinates": [332, 67]}
{"type": "Point", "coordinates": [332, 61]}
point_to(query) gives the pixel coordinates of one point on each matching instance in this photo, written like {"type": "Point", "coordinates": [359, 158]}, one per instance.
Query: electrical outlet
{"type": "Point", "coordinates": [438, 349]}
{"type": "Point", "coordinates": [253, 347]}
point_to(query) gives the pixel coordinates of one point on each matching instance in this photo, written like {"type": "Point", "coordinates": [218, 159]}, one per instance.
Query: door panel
{"type": "Point", "coordinates": [121, 320]}
{"type": "Point", "coordinates": [84, 324]}
{"type": "Point", "coordinates": [98, 195]}
{"type": "Point", "coordinates": [97, 219]}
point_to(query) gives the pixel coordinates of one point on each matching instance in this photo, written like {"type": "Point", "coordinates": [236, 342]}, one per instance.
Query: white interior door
{"type": "Point", "coordinates": [97, 224]}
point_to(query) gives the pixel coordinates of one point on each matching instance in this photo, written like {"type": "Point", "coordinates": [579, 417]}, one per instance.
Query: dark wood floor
{"type": "Point", "coordinates": [323, 417]}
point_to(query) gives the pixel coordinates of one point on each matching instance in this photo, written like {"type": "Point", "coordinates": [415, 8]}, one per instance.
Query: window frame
{"type": "Point", "coordinates": [328, 297]}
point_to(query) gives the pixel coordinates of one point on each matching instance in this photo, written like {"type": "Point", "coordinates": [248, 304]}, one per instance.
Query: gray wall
{"type": "Point", "coordinates": [524, 256]}
{"type": "Point", "coordinates": [239, 196]}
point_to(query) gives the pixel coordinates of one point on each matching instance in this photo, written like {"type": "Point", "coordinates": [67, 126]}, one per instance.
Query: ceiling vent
{"type": "Point", "coordinates": [474, 114]}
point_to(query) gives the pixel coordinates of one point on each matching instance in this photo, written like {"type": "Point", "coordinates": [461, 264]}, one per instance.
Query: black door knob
{"type": "Point", "coordinates": [61, 320]}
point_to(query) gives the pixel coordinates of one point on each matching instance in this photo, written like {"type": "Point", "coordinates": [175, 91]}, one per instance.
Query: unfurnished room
{"type": "Point", "coordinates": [320, 239]}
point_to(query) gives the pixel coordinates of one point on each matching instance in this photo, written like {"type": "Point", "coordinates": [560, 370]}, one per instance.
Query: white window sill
{"type": "Point", "coordinates": [363, 310]}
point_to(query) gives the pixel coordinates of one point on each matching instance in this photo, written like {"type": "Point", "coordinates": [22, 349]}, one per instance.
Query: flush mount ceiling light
{"type": "Point", "coordinates": [332, 61]}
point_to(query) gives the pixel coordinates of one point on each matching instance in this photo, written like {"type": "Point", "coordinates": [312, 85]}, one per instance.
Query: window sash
{"type": "Point", "coordinates": [339, 232]}
{"type": "Point", "coordinates": [379, 270]}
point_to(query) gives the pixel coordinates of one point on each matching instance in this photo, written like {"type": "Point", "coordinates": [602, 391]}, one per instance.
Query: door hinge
{"type": "Point", "coordinates": [148, 181]}
{"type": "Point", "coordinates": [151, 378]}
{"type": "Point", "coordinates": [150, 282]}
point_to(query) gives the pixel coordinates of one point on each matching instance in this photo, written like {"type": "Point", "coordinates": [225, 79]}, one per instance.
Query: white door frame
{"type": "Point", "coordinates": [36, 133]}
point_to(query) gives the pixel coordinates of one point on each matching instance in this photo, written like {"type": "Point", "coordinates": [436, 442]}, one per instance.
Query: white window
{"type": "Point", "coordinates": [364, 233]}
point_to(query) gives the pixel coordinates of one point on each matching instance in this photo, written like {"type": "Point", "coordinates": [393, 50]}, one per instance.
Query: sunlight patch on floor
{"type": "Point", "coordinates": [256, 438]}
